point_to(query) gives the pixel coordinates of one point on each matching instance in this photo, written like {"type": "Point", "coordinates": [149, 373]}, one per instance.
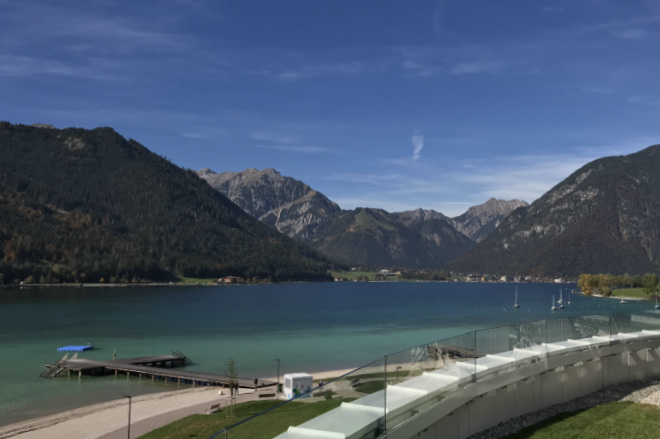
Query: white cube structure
{"type": "Point", "coordinates": [296, 384]}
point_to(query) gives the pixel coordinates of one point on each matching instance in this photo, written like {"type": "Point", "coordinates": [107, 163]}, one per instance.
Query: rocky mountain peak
{"type": "Point", "coordinates": [478, 221]}
{"type": "Point", "coordinates": [421, 215]}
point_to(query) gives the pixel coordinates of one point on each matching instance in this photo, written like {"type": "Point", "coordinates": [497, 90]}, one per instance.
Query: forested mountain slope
{"type": "Point", "coordinates": [85, 205]}
{"type": "Point", "coordinates": [604, 218]}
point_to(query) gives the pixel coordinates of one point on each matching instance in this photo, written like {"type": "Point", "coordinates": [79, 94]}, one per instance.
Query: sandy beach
{"type": "Point", "coordinates": [109, 420]}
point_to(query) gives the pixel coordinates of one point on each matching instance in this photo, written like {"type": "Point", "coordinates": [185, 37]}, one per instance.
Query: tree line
{"type": "Point", "coordinates": [603, 284]}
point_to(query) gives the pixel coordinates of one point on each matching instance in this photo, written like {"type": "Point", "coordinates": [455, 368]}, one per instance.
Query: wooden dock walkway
{"type": "Point", "coordinates": [155, 368]}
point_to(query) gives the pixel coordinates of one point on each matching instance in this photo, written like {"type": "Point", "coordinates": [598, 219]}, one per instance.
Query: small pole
{"type": "Point", "coordinates": [277, 389]}
{"type": "Point", "coordinates": [128, 435]}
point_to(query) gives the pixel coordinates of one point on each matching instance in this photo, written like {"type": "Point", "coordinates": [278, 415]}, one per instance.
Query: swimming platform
{"type": "Point", "coordinates": [75, 348]}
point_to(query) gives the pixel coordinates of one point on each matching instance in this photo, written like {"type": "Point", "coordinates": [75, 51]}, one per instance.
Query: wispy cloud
{"type": "Point", "coordinates": [30, 66]}
{"type": "Point", "coordinates": [274, 137]}
{"type": "Point", "coordinates": [350, 68]}
{"type": "Point", "coordinates": [296, 148]}
{"type": "Point", "coordinates": [553, 9]}
{"type": "Point", "coordinates": [193, 135]}
{"type": "Point", "coordinates": [474, 67]}
{"type": "Point", "coordinates": [648, 101]}
{"type": "Point", "coordinates": [472, 181]}
{"type": "Point", "coordinates": [418, 144]}
{"type": "Point", "coordinates": [391, 179]}
{"type": "Point", "coordinates": [632, 34]}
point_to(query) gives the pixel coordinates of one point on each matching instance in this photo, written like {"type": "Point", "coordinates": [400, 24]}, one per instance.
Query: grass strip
{"type": "Point", "coordinates": [265, 426]}
{"type": "Point", "coordinates": [612, 420]}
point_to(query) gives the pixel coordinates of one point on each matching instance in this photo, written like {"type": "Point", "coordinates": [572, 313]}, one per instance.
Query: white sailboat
{"type": "Point", "coordinates": [569, 297]}
{"type": "Point", "coordinates": [656, 302]}
{"type": "Point", "coordinates": [553, 303]}
{"type": "Point", "coordinates": [561, 300]}
{"type": "Point", "coordinates": [515, 302]}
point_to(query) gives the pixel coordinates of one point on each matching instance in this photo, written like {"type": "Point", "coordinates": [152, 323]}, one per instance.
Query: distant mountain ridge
{"type": "Point", "coordinates": [603, 218]}
{"type": "Point", "coordinates": [289, 205]}
{"type": "Point", "coordinates": [364, 236]}
{"type": "Point", "coordinates": [479, 221]}
{"type": "Point", "coordinates": [81, 205]}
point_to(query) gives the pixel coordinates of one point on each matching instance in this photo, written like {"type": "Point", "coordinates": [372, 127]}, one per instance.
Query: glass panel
{"type": "Point", "coordinates": [381, 396]}
{"type": "Point", "coordinates": [424, 375]}
{"type": "Point", "coordinates": [507, 348]}
{"type": "Point", "coordinates": [363, 414]}
{"type": "Point", "coordinates": [633, 331]}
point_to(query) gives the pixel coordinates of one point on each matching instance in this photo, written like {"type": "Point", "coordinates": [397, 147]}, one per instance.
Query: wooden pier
{"type": "Point", "coordinates": [161, 368]}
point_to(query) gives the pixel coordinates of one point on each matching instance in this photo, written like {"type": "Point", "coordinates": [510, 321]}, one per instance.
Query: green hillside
{"type": "Point", "coordinates": [84, 205]}
{"type": "Point", "coordinates": [604, 218]}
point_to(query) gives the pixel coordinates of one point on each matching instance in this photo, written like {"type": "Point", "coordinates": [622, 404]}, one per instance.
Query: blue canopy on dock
{"type": "Point", "coordinates": [76, 348]}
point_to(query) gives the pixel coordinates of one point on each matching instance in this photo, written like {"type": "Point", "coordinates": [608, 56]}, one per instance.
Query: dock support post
{"type": "Point", "coordinates": [80, 373]}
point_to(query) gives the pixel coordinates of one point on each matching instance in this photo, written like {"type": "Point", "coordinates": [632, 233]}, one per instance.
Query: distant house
{"type": "Point", "coordinates": [229, 280]}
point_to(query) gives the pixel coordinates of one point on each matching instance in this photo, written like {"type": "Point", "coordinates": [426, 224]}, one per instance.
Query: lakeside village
{"type": "Point", "coordinates": [354, 275]}
{"type": "Point", "coordinates": [358, 275]}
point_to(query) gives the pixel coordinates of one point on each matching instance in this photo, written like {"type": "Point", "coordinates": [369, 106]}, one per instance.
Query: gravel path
{"type": "Point", "coordinates": [646, 392]}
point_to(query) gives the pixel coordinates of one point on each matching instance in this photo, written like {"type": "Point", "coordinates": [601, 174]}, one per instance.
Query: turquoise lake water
{"type": "Point", "coordinates": [309, 327]}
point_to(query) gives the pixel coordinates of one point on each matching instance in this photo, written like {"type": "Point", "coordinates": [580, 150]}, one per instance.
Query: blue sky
{"type": "Point", "coordinates": [390, 104]}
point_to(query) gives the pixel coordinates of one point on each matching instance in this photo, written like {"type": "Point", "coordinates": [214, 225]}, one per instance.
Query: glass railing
{"type": "Point", "coordinates": [388, 393]}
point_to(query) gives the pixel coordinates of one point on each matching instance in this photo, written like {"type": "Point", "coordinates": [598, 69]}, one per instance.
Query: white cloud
{"type": "Point", "coordinates": [418, 144]}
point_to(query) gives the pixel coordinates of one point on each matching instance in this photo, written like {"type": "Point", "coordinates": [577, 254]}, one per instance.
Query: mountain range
{"type": "Point", "coordinates": [603, 218]}
{"type": "Point", "coordinates": [359, 237]}
{"type": "Point", "coordinates": [82, 205]}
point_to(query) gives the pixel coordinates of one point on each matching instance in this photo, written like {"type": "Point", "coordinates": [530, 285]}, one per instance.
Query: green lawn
{"type": "Point", "coordinates": [629, 292]}
{"type": "Point", "coordinates": [613, 420]}
{"type": "Point", "coordinates": [265, 426]}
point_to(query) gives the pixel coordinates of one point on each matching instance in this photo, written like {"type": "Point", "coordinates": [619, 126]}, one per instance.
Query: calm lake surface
{"type": "Point", "coordinates": [309, 327]}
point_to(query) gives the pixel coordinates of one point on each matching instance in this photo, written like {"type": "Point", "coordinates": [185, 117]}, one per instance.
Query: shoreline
{"type": "Point", "coordinates": [108, 420]}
